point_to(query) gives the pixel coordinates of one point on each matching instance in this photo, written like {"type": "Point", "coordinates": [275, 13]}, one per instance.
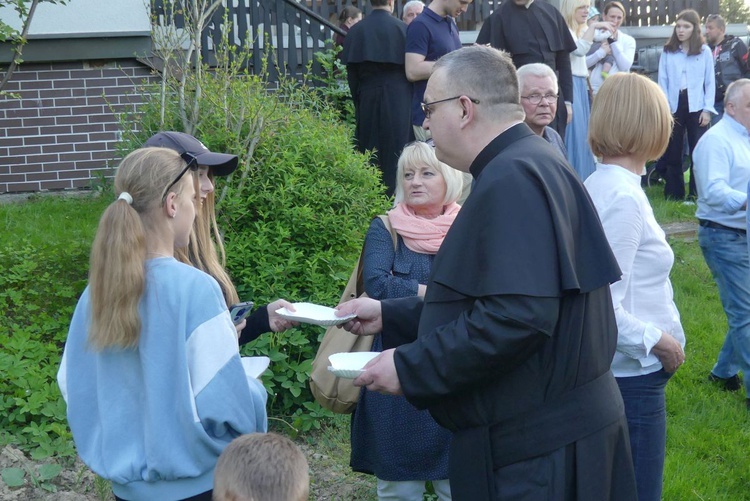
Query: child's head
{"type": "Point", "coordinates": [261, 467]}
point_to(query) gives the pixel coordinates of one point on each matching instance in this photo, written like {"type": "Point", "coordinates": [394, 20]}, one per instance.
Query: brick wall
{"type": "Point", "coordinates": [63, 130]}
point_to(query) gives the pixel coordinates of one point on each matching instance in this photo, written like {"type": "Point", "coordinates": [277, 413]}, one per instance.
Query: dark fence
{"type": "Point", "coordinates": [661, 12]}
{"type": "Point", "coordinates": [288, 31]}
{"type": "Point", "coordinates": [296, 30]}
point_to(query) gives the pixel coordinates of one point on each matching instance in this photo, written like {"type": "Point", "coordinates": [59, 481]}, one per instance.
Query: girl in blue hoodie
{"type": "Point", "coordinates": [151, 370]}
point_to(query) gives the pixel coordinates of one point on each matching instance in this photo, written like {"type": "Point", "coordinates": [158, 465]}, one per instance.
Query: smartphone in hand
{"type": "Point", "coordinates": [240, 311]}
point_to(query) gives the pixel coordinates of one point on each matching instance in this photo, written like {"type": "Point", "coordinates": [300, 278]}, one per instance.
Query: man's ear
{"type": "Point", "coordinates": [468, 111]}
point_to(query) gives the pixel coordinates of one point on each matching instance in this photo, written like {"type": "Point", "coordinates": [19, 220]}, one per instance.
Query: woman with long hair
{"type": "Point", "coordinates": [686, 75]}
{"type": "Point", "coordinates": [348, 17]}
{"type": "Point", "coordinates": [576, 13]}
{"type": "Point", "coordinates": [205, 250]}
{"type": "Point", "coordinates": [402, 446]}
{"type": "Point", "coordinates": [630, 125]}
{"type": "Point", "coordinates": [151, 371]}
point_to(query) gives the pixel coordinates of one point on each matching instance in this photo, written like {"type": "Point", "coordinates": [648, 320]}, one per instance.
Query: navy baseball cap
{"type": "Point", "coordinates": [221, 164]}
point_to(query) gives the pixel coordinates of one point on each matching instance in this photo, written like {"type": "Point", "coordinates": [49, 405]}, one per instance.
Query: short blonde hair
{"type": "Point", "coordinates": [630, 116]}
{"type": "Point", "coordinates": [420, 153]}
{"type": "Point", "coordinates": [261, 467]}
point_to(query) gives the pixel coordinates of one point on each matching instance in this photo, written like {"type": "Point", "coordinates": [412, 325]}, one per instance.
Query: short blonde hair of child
{"type": "Point", "coordinates": [261, 467]}
{"type": "Point", "coordinates": [420, 153]}
{"type": "Point", "coordinates": [630, 117]}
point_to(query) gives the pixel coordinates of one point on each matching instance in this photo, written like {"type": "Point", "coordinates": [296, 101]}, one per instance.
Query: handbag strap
{"type": "Point", "coordinates": [360, 272]}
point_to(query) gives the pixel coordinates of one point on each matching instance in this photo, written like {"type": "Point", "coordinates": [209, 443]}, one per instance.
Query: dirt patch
{"type": "Point", "coordinates": [74, 483]}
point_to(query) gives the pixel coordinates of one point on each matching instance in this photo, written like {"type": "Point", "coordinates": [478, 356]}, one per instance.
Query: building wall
{"type": "Point", "coordinates": [81, 18]}
{"type": "Point", "coordinates": [62, 132]}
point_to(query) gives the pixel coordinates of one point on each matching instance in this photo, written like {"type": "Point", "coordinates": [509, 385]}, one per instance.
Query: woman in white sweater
{"type": "Point", "coordinates": [630, 125]}
{"type": "Point", "coordinates": [576, 12]}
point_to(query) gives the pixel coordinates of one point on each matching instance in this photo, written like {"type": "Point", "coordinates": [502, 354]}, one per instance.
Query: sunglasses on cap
{"type": "Point", "coordinates": [192, 165]}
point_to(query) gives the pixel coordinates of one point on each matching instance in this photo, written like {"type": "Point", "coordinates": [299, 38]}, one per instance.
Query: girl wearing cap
{"type": "Point", "coordinates": [151, 372]}
{"type": "Point", "coordinates": [205, 238]}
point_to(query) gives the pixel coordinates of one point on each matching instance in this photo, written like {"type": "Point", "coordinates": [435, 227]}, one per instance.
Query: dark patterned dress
{"type": "Point", "coordinates": [390, 438]}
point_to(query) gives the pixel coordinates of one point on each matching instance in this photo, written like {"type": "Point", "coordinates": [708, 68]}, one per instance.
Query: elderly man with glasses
{"type": "Point", "coordinates": [538, 86]}
{"type": "Point", "coordinates": [511, 347]}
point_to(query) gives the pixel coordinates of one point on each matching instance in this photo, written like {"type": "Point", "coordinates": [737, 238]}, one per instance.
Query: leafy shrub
{"type": "Point", "coordinates": [295, 231]}
{"type": "Point", "coordinates": [38, 292]}
{"type": "Point", "coordinates": [333, 86]}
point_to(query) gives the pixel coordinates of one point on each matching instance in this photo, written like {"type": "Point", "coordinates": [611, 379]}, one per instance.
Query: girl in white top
{"type": "Point", "coordinates": [630, 125]}
{"type": "Point", "coordinates": [576, 13]}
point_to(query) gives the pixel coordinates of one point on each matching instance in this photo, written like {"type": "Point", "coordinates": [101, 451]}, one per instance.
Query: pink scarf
{"type": "Point", "coordinates": [420, 234]}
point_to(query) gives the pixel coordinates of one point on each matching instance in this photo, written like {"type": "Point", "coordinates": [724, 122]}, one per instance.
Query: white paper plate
{"type": "Point", "coordinates": [316, 314]}
{"type": "Point", "coordinates": [345, 374]}
{"type": "Point", "coordinates": [255, 366]}
{"type": "Point", "coordinates": [349, 365]}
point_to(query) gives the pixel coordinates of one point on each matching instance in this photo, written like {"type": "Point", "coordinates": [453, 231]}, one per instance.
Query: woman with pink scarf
{"type": "Point", "coordinates": [403, 447]}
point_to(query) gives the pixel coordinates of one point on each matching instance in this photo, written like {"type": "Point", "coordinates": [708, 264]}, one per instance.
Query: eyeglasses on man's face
{"type": "Point", "coordinates": [428, 111]}
{"type": "Point", "coordinates": [537, 98]}
{"type": "Point", "coordinates": [192, 164]}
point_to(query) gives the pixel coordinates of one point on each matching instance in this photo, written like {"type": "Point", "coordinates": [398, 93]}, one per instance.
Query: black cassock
{"type": "Point", "coordinates": [534, 34]}
{"type": "Point", "coordinates": [374, 57]}
{"type": "Point", "coordinates": [517, 332]}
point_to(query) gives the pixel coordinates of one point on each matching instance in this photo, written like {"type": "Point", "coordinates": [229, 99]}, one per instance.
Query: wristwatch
{"type": "Point", "coordinates": [610, 40]}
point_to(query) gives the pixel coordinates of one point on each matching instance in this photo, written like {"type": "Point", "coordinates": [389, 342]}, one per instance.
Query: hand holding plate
{"type": "Point", "coordinates": [368, 320]}
{"type": "Point", "coordinates": [276, 321]}
{"type": "Point", "coordinates": [380, 375]}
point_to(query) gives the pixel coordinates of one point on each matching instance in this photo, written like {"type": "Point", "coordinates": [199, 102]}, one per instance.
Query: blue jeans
{"type": "Point", "coordinates": [726, 255]}
{"type": "Point", "coordinates": [646, 411]}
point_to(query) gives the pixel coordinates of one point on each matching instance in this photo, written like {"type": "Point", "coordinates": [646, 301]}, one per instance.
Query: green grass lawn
{"type": "Point", "coordinates": [708, 429]}
{"type": "Point", "coordinates": [52, 219]}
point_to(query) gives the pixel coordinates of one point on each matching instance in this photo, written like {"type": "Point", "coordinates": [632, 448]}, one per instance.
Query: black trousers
{"type": "Point", "coordinates": [669, 165]}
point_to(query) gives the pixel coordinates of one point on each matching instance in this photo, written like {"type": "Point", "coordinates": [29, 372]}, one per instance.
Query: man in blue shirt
{"type": "Point", "coordinates": [431, 35]}
{"type": "Point", "coordinates": [722, 172]}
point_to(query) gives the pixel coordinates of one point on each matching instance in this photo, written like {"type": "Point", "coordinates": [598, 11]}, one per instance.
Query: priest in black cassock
{"type": "Point", "coordinates": [511, 347]}
{"type": "Point", "coordinates": [374, 57]}
{"type": "Point", "coordinates": [533, 31]}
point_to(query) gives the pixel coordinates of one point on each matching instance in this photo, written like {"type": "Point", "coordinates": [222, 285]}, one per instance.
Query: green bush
{"type": "Point", "coordinates": [39, 287]}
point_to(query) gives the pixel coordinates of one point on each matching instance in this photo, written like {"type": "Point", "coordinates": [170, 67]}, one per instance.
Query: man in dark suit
{"type": "Point", "coordinates": [374, 57]}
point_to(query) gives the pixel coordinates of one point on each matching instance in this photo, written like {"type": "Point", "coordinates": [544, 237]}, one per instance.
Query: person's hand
{"type": "Point", "coordinates": [604, 25]}
{"type": "Point", "coordinates": [606, 48]}
{"type": "Point", "coordinates": [277, 323]}
{"type": "Point", "coordinates": [669, 352]}
{"type": "Point", "coordinates": [369, 319]}
{"type": "Point", "coordinates": [569, 107]}
{"type": "Point", "coordinates": [238, 327]}
{"type": "Point", "coordinates": [704, 119]}
{"type": "Point", "coordinates": [380, 375]}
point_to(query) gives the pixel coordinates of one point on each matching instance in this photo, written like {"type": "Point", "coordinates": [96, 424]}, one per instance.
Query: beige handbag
{"type": "Point", "coordinates": [331, 392]}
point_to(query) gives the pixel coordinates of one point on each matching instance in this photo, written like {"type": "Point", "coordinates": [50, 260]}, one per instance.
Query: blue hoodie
{"type": "Point", "coordinates": [154, 419]}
